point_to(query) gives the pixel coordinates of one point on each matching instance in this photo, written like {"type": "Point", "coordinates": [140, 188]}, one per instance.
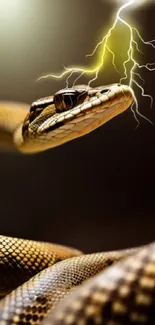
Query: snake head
{"type": "Point", "coordinates": [71, 113]}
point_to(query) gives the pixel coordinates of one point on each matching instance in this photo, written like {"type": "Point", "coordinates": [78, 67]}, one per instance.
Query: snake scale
{"type": "Point", "coordinates": [44, 283]}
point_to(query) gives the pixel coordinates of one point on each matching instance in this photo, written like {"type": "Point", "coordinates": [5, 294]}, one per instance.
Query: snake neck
{"type": "Point", "coordinates": [12, 115]}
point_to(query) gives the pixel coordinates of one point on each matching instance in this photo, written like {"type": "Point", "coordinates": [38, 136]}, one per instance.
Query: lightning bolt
{"type": "Point", "coordinates": [128, 76]}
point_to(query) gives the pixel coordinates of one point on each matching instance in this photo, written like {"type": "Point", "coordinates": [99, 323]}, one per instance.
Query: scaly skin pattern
{"type": "Point", "coordinates": [30, 302]}
{"type": "Point", "coordinates": [21, 259]}
{"type": "Point", "coordinates": [123, 294]}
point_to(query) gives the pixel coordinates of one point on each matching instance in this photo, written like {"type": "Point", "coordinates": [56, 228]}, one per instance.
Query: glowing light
{"type": "Point", "coordinates": [136, 3]}
{"type": "Point", "coordinates": [11, 11]}
{"type": "Point", "coordinates": [128, 76]}
{"type": "Point", "coordinates": [9, 4]}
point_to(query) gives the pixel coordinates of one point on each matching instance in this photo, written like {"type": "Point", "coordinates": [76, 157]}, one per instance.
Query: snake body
{"type": "Point", "coordinates": [32, 300]}
{"type": "Point", "coordinates": [22, 259]}
{"type": "Point", "coordinates": [123, 294]}
{"type": "Point", "coordinates": [72, 288]}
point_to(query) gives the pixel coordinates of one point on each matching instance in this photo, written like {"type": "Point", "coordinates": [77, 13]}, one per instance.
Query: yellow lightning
{"type": "Point", "coordinates": [130, 59]}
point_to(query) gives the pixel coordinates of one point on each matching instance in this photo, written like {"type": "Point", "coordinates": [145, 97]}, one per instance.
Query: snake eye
{"type": "Point", "coordinates": [68, 98]}
{"type": "Point", "coordinates": [64, 102]}
{"type": "Point", "coordinates": [105, 90]}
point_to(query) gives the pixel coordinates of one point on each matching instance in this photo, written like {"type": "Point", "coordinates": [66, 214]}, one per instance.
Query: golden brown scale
{"type": "Point", "coordinates": [29, 303]}
{"type": "Point", "coordinates": [124, 294]}
{"type": "Point", "coordinates": [21, 259]}
{"type": "Point", "coordinates": [34, 113]}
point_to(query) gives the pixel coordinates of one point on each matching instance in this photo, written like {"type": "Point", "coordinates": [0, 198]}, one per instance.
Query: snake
{"type": "Point", "coordinates": [55, 120]}
{"type": "Point", "coordinates": [50, 284]}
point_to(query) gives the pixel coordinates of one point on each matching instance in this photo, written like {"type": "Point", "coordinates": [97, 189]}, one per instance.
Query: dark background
{"type": "Point", "coordinates": [97, 192]}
